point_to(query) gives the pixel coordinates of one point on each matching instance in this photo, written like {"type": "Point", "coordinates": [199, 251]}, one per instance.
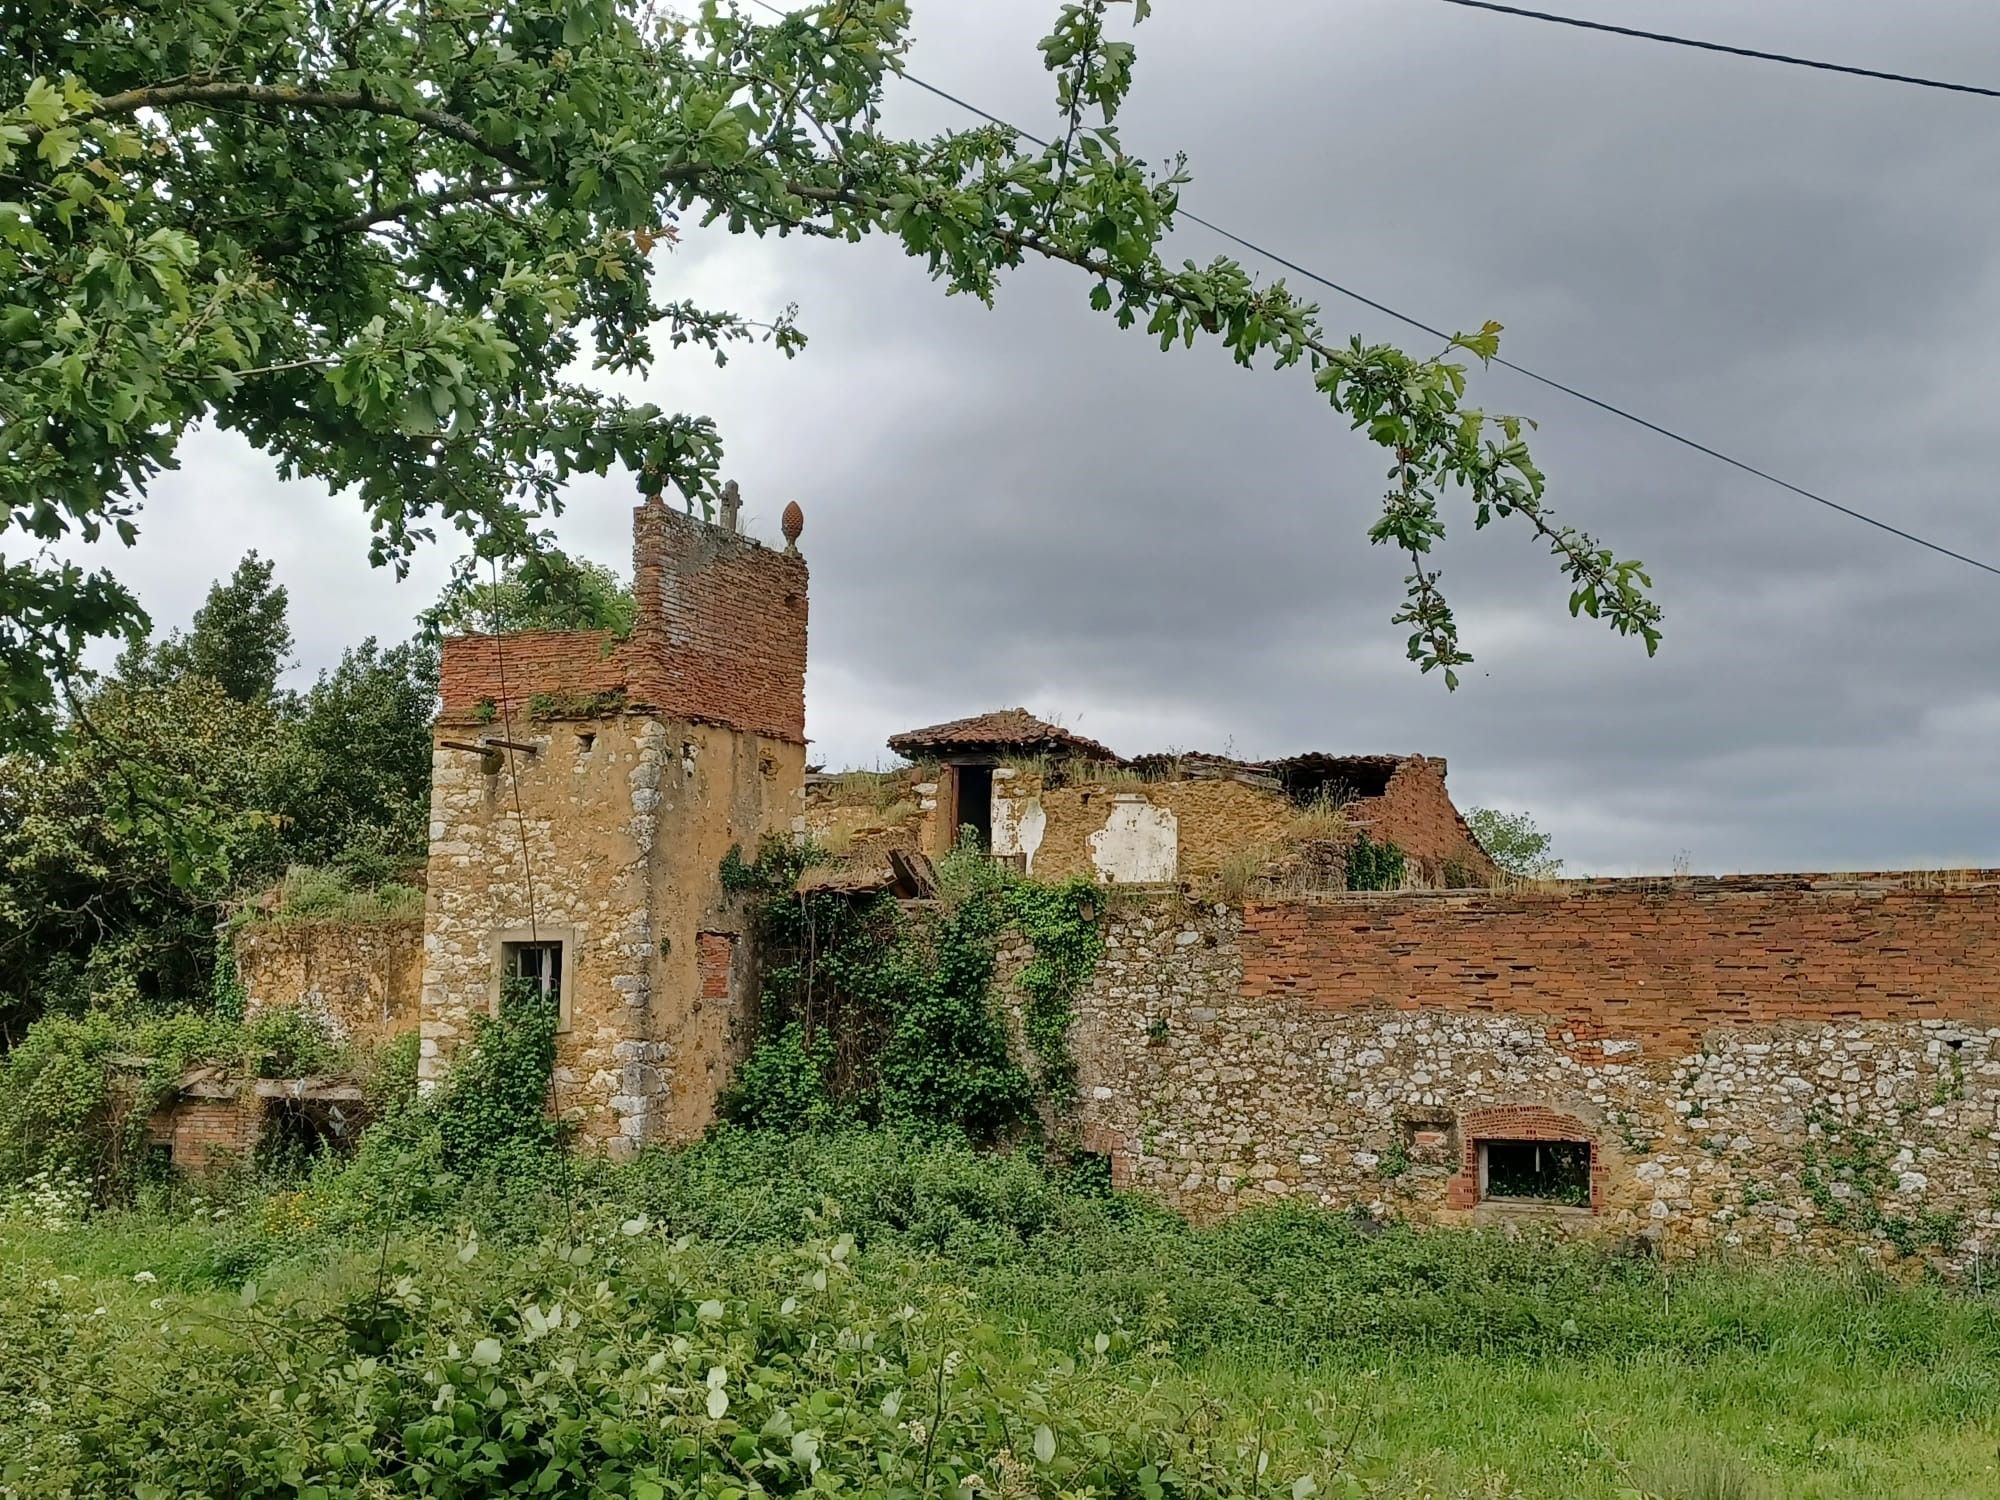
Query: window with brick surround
{"type": "Point", "coordinates": [1535, 1171]}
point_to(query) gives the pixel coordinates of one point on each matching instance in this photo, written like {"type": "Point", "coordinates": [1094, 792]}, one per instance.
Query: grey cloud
{"type": "Point", "coordinates": [1027, 505]}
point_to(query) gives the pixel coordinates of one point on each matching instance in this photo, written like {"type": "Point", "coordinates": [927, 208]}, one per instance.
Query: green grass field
{"type": "Point", "coordinates": [1374, 1361]}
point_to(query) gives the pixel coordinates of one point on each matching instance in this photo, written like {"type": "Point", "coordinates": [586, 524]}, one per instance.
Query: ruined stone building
{"type": "Point", "coordinates": [1754, 1061]}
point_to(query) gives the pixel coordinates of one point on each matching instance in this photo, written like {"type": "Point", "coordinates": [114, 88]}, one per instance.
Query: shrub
{"type": "Point", "coordinates": [618, 1366]}
{"type": "Point", "coordinates": [783, 1084]}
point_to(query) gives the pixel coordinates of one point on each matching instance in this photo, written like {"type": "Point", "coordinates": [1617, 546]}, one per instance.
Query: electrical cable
{"type": "Point", "coordinates": [1550, 381]}
{"type": "Point", "coordinates": [1687, 41]}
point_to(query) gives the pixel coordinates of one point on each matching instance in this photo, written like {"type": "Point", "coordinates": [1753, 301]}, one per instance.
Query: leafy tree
{"type": "Point", "coordinates": [355, 770]}
{"type": "Point", "coordinates": [240, 638]}
{"type": "Point", "coordinates": [166, 794]}
{"type": "Point", "coordinates": [100, 906]}
{"type": "Point", "coordinates": [379, 237]}
{"type": "Point", "coordinates": [1514, 842]}
{"type": "Point", "coordinates": [547, 590]}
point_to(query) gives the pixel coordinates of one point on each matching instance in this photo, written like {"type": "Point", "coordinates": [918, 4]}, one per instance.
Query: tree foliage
{"type": "Point", "coordinates": [240, 639]}
{"type": "Point", "coordinates": [166, 794]}
{"type": "Point", "coordinates": [546, 590]}
{"type": "Point", "coordinates": [355, 773]}
{"type": "Point", "coordinates": [381, 239]}
{"type": "Point", "coordinates": [1514, 842]}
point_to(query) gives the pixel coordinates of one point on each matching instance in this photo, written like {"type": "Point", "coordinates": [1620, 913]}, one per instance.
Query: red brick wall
{"type": "Point", "coordinates": [715, 955]}
{"type": "Point", "coordinates": [1654, 961]}
{"type": "Point", "coordinates": [720, 637]}
{"type": "Point", "coordinates": [721, 631]}
{"type": "Point", "coordinates": [210, 1133]}
{"type": "Point", "coordinates": [559, 663]}
{"type": "Point", "coordinates": [1416, 814]}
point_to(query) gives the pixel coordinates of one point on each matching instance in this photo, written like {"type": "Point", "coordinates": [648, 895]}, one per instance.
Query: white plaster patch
{"type": "Point", "coordinates": [1018, 827]}
{"type": "Point", "coordinates": [1139, 843]}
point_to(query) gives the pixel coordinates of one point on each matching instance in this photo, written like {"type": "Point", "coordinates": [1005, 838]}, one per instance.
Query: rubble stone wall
{"type": "Point", "coordinates": [363, 980]}
{"type": "Point", "coordinates": [621, 829]}
{"type": "Point", "coordinates": [1756, 1065]}
{"type": "Point", "coordinates": [1060, 831]}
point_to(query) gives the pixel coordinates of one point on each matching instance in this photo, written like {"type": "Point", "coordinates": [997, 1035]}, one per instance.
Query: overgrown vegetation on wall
{"type": "Point", "coordinates": [876, 1011]}
{"type": "Point", "coordinates": [76, 1093]}
{"type": "Point", "coordinates": [1375, 867]}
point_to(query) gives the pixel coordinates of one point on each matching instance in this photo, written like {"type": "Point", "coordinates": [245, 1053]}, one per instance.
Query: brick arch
{"type": "Point", "coordinates": [1516, 1122]}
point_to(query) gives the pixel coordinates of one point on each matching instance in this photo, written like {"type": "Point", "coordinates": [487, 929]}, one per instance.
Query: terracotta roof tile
{"type": "Point", "coordinates": [1009, 729]}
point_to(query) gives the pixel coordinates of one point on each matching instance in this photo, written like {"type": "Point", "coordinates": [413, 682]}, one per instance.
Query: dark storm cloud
{"type": "Point", "coordinates": [1163, 550]}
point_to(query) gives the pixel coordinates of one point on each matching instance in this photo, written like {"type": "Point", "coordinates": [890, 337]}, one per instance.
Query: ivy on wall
{"type": "Point", "coordinates": [879, 1012]}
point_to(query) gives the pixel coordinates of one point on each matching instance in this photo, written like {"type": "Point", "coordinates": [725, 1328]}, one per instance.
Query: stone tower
{"type": "Point", "coordinates": [584, 791]}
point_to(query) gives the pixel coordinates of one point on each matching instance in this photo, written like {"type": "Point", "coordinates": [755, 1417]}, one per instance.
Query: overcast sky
{"type": "Point", "coordinates": [1164, 551]}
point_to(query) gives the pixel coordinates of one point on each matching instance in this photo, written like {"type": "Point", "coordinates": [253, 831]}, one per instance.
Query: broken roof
{"type": "Point", "coordinates": [1301, 777]}
{"type": "Point", "coordinates": [1007, 731]}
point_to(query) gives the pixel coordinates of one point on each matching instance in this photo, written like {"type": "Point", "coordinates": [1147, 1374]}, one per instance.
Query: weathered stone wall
{"type": "Point", "coordinates": [363, 980]}
{"type": "Point", "coordinates": [1757, 1065]}
{"type": "Point", "coordinates": [1212, 822]}
{"type": "Point", "coordinates": [626, 822]}
{"type": "Point", "coordinates": [1079, 828]}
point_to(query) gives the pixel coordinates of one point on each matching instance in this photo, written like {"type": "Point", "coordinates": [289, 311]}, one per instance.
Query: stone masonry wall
{"type": "Point", "coordinates": [364, 980]}
{"type": "Point", "coordinates": [581, 842]}
{"type": "Point", "coordinates": [1758, 1065]}
{"type": "Point", "coordinates": [1219, 820]}
{"type": "Point", "coordinates": [1214, 820]}
{"type": "Point", "coordinates": [626, 822]}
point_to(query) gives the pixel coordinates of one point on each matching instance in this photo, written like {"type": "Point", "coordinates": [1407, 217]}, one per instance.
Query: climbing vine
{"type": "Point", "coordinates": [496, 1096]}
{"type": "Point", "coordinates": [883, 1012]}
{"type": "Point", "coordinates": [1847, 1174]}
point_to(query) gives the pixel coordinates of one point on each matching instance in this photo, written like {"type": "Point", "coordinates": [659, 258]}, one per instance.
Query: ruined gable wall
{"type": "Point", "coordinates": [1416, 814]}
{"type": "Point", "coordinates": [1312, 1048]}
{"type": "Point", "coordinates": [363, 980]}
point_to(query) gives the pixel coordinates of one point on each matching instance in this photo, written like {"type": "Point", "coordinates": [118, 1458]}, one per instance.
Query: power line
{"type": "Point", "coordinates": [1535, 375]}
{"type": "Point", "coordinates": [1686, 41]}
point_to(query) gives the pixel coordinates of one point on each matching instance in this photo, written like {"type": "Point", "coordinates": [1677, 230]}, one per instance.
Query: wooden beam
{"type": "Point", "coordinates": [499, 744]}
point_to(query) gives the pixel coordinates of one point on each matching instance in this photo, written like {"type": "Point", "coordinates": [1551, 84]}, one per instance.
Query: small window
{"type": "Point", "coordinates": [535, 968]}
{"type": "Point", "coordinates": [1536, 1171]}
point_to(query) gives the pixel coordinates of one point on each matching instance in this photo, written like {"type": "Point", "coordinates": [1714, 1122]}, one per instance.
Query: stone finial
{"type": "Point", "coordinates": [793, 523]}
{"type": "Point", "coordinates": [732, 506]}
